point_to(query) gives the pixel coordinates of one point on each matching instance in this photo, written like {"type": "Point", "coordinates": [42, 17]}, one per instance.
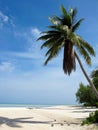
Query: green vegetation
{"type": "Point", "coordinates": [94, 76]}
{"type": "Point", "coordinates": [61, 35]}
{"type": "Point", "coordinates": [93, 118]}
{"type": "Point", "coordinates": [85, 94]}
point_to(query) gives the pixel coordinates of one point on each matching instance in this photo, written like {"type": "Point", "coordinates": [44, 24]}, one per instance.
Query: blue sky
{"type": "Point", "coordinates": [23, 77]}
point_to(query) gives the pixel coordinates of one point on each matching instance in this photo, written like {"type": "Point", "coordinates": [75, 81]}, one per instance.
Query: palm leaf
{"type": "Point", "coordinates": [56, 45]}
{"type": "Point", "coordinates": [66, 20]}
{"type": "Point", "coordinates": [44, 37]}
{"type": "Point", "coordinates": [52, 32]}
{"type": "Point", "coordinates": [94, 74]}
{"type": "Point", "coordinates": [73, 13]}
{"type": "Point", "coordinates": [48, 43]}
{"type": "Point", "coordinates": [76, 26]}
{"type": "Point", "coordinates": [75, 40]}
{"type": "Point", "coordinates": [87, 46]}
{"type": "Point", "coordinates": [54, 21]}
{"type": "Point", "coordinates": [85, 55]}
{"type": "Point", "coordinates": [52, 52]}
{"type": "Point", "coordinates": [64, 12]}
{"type": "Point", "coordinates": [57, 18]}
{"type": "Point", "coordinates": [47, 36]}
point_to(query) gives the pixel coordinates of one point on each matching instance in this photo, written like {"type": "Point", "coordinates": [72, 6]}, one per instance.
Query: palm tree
{"type": "Point", "coordinates": [61, 34]}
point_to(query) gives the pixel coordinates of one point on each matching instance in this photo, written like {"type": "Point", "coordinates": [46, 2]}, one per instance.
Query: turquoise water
{"type": "Point", "coordinates": [25, 105]}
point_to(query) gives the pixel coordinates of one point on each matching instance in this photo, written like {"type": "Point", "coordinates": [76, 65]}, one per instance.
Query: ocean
{"type": "Point", "coordinates": [27, 105]}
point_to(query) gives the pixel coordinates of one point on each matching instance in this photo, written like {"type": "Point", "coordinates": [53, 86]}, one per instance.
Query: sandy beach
{"type": "Point", "coordinates": [50, 118]}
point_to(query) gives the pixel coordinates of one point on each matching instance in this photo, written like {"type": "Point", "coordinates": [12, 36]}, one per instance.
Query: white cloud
{"type": "Point", "coordinates": [3, 19]}
{"type": "Point", "coordinates": [35, 32]}
{"type": "Point", "coordinates": [7, 66]}
{"type": "Point", "coordinates": [30, 34]}
{"type": "Point", "coordinates": [26, 55]}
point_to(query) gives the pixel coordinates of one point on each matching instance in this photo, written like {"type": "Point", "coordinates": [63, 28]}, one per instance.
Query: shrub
{"type": "Point", "coordinates": [86, 96]}
{"type": "Point", "coordinates": [93, 118]}
{"type": "Point", "coordinates": [96, 104]}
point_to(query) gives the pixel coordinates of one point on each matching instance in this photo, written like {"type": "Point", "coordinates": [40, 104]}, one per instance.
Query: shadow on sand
{"type": "Point", "coordinates": [17, 121]}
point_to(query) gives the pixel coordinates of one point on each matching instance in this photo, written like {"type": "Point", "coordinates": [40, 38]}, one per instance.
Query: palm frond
{"type": "Point", "coordinates": [56, 45]}
{"type": "Point", "coordinates": [85, 54]}
{"type": "Point", "coordinates": [57, 18]}
{"type": "Point", "coordinates": [66, 20]}
{"type": "Point", "coordinates": [54, 49]}
{"type": "Point", "coordinates": [76, 26]}
{"type": "Point", "coordinates": [51, 56]}
{"type": "Point", "coordinates": [53, 27]}
{"type": "Point", "coordinates": [73, 13]}
{"type": "Point", "coordinates": [48, 43]}
{"type": "Point", "coordinates": [87, 46]}
{"type": "Point", "coordinates": [47, 36]}
{"type": "Point", "coordinates": [52, 52]}
{"type": "Point", "coordinates": [75, 40]}
{"type": "Point", "coordinates": [52, 32]}
{"type": "Point", "coordinates": [56, 28]}
{"type": "Point", "coordinates": [64, 12]}
{"type": "Point", "coordinates": [94, 74]}
{"type": "Point", "coordinates": [54, 21]}
{"type": "Point", "coordinates": [59, 28]}
{"type": "Point", "coordinates": [44, 37]}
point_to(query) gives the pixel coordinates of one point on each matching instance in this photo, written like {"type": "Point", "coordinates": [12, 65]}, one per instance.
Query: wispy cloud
{"type": "Point", "coordinates": [35, 32]}
{"type": "Point", "coordinates": [30, 34]}
{"type": "Point", "coordinates": [6, 20]}
{"type": "Point", "coordinates": [7, 66]}
{"type": "Point", "coordinates": [3, 19]}
{"type": "Point", "coordinates": [26, 55]}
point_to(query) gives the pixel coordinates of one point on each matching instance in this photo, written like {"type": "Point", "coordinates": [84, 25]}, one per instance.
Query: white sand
{"type": "Point", "coordinates": [51, 118]}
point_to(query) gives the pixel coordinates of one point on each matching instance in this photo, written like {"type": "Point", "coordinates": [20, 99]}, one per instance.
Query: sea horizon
{"type": "Point", "coordinates": [31, 105]}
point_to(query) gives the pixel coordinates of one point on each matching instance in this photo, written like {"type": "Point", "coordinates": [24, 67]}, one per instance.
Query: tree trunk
{"type": "Point", "coordinates": [87, 77]}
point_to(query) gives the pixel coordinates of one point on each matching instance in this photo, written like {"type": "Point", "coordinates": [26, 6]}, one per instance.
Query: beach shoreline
{"type": "Point", "coordinates": [45, 118]}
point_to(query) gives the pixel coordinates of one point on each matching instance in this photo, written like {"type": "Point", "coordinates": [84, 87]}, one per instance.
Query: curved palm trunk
{"type": "Point", "coordinates": [87, 77]}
